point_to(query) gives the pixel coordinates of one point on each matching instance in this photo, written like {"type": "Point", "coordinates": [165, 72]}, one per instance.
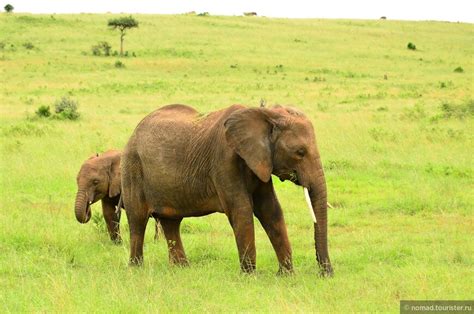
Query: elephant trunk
{"type": "Point", "coordinates": [318, 205]}
{"type": "Point", "coordinates": [82, 207]}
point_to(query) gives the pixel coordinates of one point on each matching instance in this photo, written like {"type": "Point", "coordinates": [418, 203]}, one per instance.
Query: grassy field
{"type": "Point", "coordinates": [395, 130]}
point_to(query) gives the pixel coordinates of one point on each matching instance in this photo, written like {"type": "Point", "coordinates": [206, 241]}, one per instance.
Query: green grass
{"type": "Point", "coordinates": [398, 160]}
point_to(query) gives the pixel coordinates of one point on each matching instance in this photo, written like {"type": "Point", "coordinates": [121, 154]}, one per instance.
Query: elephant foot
{"type": "Point", "coordinates": [135, 261]}
{"type": "Point", "coordinates": [248, 272]}
{"type": "Point", "coordinates": [116, 240]}
{"type": "Point", "coordinates": [178, 258]}
{"type": "Point", "coordinates": [326, 271]}
{"type": "Point", "coordinates": [285, 272]}
{"type": "Point", "coordinates": [248, 268]}
{"type": "Point", "coordinates": [180, 263]}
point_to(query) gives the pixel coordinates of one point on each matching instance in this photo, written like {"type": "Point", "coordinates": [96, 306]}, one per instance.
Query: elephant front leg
{"type": "Point", "coordinates": [241, 220]}
{"type": "Point", "coordinates": [269, 213]}
{"type": "Point", "coordinates": [173, 239]}
{"type": "Point", "coordinates": [112, 220]}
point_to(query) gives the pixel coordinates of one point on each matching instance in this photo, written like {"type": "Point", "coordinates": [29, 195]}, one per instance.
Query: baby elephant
{"type": "Point", "coordinates": [99, 179]}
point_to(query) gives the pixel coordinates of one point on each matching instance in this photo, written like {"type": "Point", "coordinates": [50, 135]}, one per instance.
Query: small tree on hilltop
{"type": "Point", "coordinates": [122, 24]}
{"type": "Point", "coordinates": [8, 8]}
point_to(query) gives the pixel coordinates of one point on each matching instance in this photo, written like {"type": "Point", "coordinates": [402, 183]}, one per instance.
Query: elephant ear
{"type": "Point", "coordinates": [114, 177]}
{"type": "Point", "coordinates": [248, 132]}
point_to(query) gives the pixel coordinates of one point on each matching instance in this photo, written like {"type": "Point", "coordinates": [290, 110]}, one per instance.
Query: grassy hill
{"type": "Point", "coordinates": [394, 126]}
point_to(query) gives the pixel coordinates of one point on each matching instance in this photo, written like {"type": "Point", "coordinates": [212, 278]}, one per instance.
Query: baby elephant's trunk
{"type": "Point", "coordinates": [82, 207]}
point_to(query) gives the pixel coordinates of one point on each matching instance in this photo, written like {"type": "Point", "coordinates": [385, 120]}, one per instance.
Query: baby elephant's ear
{"type": "Point", "coordinates": [114, 178]}
{"type": "Point", "coordinates": [247, 131]}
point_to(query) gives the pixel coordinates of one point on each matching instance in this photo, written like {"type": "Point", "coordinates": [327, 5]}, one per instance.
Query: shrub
{"type": "Point", "coordinates": [459, 70]}
{"type": "Point", "coordinates": [447, 109]}
{"type": "Point", "coordinates": [119, 64]}
{"type": "Point", "coordinates": [411, 46]}
{"type": "Point", "coordinates": [106, 47]}
{"type": "Point", "coordinates": [2, 45]}
{"type": "Point", "coordinates": [203, 14]}
{"type": "Point", "coordinates": [66, 108]}
{"type": "Point", "coordinates": [28, 45]}
{"type": "Point", "coordinates": [96, 51]}
{"type": "Point", "coordinates": [457, 111]}
{"type": "Point", "coordinates": [102, 48]}
{"type": "Point", "coordinates": [43, 112]}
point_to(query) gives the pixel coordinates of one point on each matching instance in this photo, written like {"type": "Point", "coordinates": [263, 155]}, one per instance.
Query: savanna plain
{"type": "Point", "coordinates": [394, 127]}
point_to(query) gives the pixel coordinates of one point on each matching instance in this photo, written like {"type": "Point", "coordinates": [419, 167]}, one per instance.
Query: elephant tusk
{"type": "Point", "coordinates": [330, 206]}
{"type": "Point", "coordinates": [119, 205]}
{"type": "Point", "coordinates": [308, 202]}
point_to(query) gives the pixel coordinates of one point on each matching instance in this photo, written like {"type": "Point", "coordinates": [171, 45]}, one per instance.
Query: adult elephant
{"type": "Point", "coordinates": [180, 164]}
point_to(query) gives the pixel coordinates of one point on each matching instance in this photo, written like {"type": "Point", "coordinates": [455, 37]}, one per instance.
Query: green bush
{"type": "Point", "coordinates": [95, 51]}
{"type": "Point", "coordinates": [66, 108]}
{"type": "Point", "coordinates": [102, 48]}
{"type": "Point", "coordinates": [461, 111]}
{"type": "Point", "coordinates": [459, 70]}
{"type": "Point", "coordinates": [28, 45]}
{"type": "Point", "coordinates": [411, 46]}
{"type": "Point", "coordinates": [43, 112]}
{"type": "Point", "coordinates": [119, 64]}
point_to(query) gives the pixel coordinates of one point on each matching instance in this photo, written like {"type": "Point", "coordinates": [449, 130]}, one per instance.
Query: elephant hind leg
{"type": "Point", "coordinates": [137, 215]}
{"type": "Point", "coordinates": [173, 239]}
{"type": "Point", "coordinates": [137, 235]}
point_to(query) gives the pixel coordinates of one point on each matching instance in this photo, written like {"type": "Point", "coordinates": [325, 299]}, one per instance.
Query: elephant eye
{"type": "Point", "coordinates": [95, 182]}
{"type": "Point", "coordinates": [301, 152]}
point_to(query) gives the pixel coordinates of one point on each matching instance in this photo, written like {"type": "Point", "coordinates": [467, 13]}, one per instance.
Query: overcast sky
{"type": "Point", "coordinates": [444, 10]}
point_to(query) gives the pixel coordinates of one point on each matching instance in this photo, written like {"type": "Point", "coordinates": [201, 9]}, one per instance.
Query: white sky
{"type": "Point", "coordinates": [445, 10]}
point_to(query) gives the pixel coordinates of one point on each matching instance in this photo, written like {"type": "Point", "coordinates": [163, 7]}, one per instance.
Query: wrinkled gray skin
{"type": "Point", "coordinates": [99, 179]}
{"type": "Point", "coordinates": [179, 164]}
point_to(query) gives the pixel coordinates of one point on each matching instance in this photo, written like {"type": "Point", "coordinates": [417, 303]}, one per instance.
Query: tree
{"type": "Point", "coordinates": [8, 8]}
{"type": "Point", "coordinates": [122, 24]}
